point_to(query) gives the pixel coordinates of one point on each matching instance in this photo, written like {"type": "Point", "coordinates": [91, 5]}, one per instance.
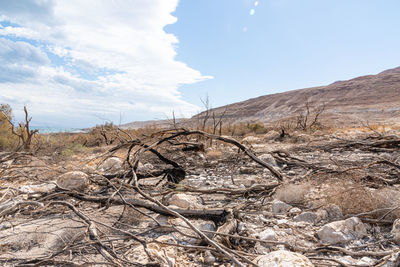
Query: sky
{"type": "Point", "coordinates": [79, 63]}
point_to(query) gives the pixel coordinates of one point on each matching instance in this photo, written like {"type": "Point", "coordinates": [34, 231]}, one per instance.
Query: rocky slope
{"type": "Point", "coordinates": [372, 97]}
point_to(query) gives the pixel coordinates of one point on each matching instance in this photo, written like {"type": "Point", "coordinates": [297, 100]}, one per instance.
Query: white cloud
{"type": "Point", "coordinates": [108, 57]}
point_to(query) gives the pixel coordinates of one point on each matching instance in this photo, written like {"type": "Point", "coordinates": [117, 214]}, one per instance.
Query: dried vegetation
{"type": "Point", "coordinates": [155, 197]}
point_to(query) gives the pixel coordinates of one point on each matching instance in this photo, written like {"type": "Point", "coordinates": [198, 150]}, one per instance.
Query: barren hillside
{"type": "Point", "coordinates": [372, 97]}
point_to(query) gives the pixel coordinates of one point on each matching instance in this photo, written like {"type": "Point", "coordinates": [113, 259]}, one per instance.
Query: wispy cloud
{"type": "Point", "coordinates": [81, 59]}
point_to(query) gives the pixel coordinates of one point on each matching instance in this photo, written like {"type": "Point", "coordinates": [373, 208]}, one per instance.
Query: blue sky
{"type": "Point", "coordinates": [284, 45]}
{"type": "Point", "coordinates": [79, 63]}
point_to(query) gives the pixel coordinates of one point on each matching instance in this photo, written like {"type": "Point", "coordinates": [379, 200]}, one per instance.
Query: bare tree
{"type": "Point", "coordinates": [218, 122]}
{"type": "Point", "coordinates": [207, 106]}
{"type": "Point", "coordinates": [24, 133]}
{"type": "Point", "coordinates": [308, 119]}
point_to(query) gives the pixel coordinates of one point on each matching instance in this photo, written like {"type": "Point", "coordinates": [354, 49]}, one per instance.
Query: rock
{"type": "Point", "coordinates": [241, 228]}
{"type": "Point", "coordinates": [283, 258]}
{"type": "Point", "coordinates": [271, 135]}
{"type": "Point", "coordinates": [341, 232]}
{"type": "Point", "coordinates": [307, 216]}
{"type": "Point", "coordinates": [396, 231]}
{"type": "Point", "coordinates": [279, 207]}
{"type": "Point", "coordinates": [268, 158]}
{"type": "Point", "coordinates": [75, 180]}
{"type": "Point", "coordinates": [294, 210]}
{"type": "Point", "coordinates": [111, 166]}
{"type": "Point", "coordinates": [202, 225]}
{"type": "Point", "coordinates": [291, 173]}
{"type": "Point", "coordinates": [334, 212]}
{"type": "Point", "coordinates": [281, 222]}
{"type": "Point", "coordinates": [163, 255]}
{"type": "Point", "coordinates": [366, 261]}
{"type": "Point", "coordinates": [145, 167]}
{"type": "Point", "coordinates": [185, 201]}
{"type": "Point", "coordinates": [268, 234]}
{"type": "Point", "coordinates": [209, 258]}
{"type": "Point", "coordinates": [247, 170]}
{"type": "Point", "coordinates": [392, 261]}
{"type": "Point", "coordinates": [251, 139]}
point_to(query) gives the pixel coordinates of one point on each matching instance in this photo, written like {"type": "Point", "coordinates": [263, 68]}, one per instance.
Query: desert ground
{"type": "Point", "coordinates": [189, 198]}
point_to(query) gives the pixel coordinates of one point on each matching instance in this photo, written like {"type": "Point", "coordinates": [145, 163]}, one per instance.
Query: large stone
{"type": "Point", "coordinates": [310, 217]}
{"type": "Point", "coordinates": [268, 158]}
{"type": "Point", "coordinates": [396, 231]}
{"type": "Point", "coordinates": [341, 232]}
{"type": "Point", "coordinates": [334, 212]}
{"type": "Point", "coordinates": [268, 235]}
{"type": "Point", "coordinates": [185, 201]}
{"type": "Point", "coordinates": [279, 207]}
{"type": "Point", "coordinates": [185, 233]}
{"type": "Point", "coordinates": [283, 258]}
{"type": "Point", "coordinates": [111, 166]}
{"type": "Point", "coordinates": [75, 180]}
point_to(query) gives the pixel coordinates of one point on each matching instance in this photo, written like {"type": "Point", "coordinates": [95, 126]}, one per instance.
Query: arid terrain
{"type": "Point", "coordinates": [189, 198]}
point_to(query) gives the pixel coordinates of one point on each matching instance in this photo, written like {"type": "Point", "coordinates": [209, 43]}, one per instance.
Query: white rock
{"type": "Point", "coordinates": [282, 221]}
{"type": "Point", "coordinates": [111, 166]}
{"type": "Point", "coordinates": [291, 173]}
{"type": "Point", "coordinates": [268, 234]}
{"type": "Point", "coordinates": [268, 158]}
{"type": "Point", "coordinates": [294, 210]}
{"type": "Point", "coordinates": [396, 231]}
{"type": "Point", "coordinates": [145, 167]}
{"type": "Point", "coordinates": [283, 258]}
{"type": "Point", "coordinates": [209, 258]}
{"type": "Point", "coordinates": [75, 180]}
{"type": "Point", "coordinates": [279, 207]}
{"type": "Point", "coordinates": [307, 216]}
{"type": "Point", "coordinates": [241, 227]}
{"type": "Point", "coordinates": [163, 255]}
{"type": "Point", "coordinates": [366, 261]}
{"type": "Point", "coordinates": [185, 201]}
{"type": "Point", "coordinates": [251, 139]}
{"type": "Point", "coordinates": [341, 232]}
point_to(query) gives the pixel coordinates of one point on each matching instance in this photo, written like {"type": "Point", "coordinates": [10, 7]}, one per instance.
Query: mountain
{"type": "Point", "coordinates": [375, 98]}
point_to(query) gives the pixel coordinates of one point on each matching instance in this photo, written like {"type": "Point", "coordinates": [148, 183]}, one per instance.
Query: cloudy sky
{"type": "Point", "coordinates": [77, 63]}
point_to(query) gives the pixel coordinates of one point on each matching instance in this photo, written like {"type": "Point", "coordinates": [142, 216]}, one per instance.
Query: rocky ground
{"type": "Point", "coordinates": [337, 203]}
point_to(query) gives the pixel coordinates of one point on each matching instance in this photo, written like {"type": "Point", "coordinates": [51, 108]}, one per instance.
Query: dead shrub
{"type": "Point", "coordinates": [292, 193]}
{"type": "Point", "coordinates": [383, 203]}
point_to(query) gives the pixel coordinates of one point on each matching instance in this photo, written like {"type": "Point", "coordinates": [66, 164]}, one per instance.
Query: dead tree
{"type": "Point", "coordinates": [177, 173]}
{"type": "Point", "coordinates": [24, 133]}
{"type": "Point", "coordinates": [308, 119]}
{"type": "Point", "coordinates": [218, 122]}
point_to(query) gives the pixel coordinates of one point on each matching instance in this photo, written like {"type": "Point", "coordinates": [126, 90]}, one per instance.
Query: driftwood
{"type": "Point", "coordinates": [171, 135]}
{"type": "Point", "coordinates": [240, 204]}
